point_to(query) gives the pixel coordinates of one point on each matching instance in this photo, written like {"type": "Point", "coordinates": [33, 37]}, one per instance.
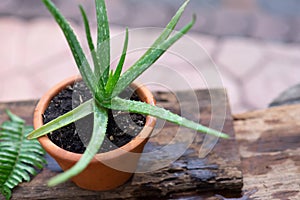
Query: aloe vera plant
{"type": "Point", "coordinates": [106, 84]}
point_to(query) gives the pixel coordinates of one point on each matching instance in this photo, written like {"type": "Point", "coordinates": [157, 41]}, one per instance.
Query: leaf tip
{"type": "Point", "coordinates": [80, 8]}
{"type": "Point", "coordinates": [186, 3]}
{"type": "Point", "coordinates": [29, 137]}
{"type": "Point", "coordinates": [224, 136]}
{"type": "Point", "coordinates": [51, 183]}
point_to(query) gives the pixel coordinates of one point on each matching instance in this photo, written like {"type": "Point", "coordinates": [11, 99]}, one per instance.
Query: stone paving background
{"type": "Point", "coordinates": [254, 44]}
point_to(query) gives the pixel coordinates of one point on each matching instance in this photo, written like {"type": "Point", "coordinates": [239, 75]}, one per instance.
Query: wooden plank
{"type": "Point", "coordinates": [269, 144]}
{"type": "Point", "coordinates": [24, 109]}
{"type": "Point", "coordinates": [187, 176]}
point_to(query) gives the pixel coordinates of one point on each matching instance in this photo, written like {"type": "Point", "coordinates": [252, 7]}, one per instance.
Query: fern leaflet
{"type": "Point", "coordinates": [19, 157]}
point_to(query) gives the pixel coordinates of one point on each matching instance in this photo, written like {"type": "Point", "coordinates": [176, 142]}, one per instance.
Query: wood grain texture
{"type": "Point", "coordinates": [269, 145]}
{"type": "Point", "coordinates": [189, 175]}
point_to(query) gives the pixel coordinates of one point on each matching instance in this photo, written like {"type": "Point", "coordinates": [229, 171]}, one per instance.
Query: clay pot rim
{"type": "Point", "coordinates": [53, 149]}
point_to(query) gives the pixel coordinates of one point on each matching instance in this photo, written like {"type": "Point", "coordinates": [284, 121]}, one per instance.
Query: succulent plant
{"type": "Point", "coordinates": [106, 84]}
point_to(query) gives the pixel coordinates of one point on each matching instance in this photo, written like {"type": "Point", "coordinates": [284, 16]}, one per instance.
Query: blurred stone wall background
{"type": "Point", "coordinates": [254, 43]}
{"type": "Point", "coordinates": [263, 19]}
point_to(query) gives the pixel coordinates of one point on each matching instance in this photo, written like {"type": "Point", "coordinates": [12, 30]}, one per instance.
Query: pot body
{"type": "Point", "coordinates": [107, 170]}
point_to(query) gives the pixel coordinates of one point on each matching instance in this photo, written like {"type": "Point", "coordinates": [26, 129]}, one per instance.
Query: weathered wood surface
{"type": "Point", "coordinates": [269, 145]}
{"type": "Point", "coordinates": [188, 176]}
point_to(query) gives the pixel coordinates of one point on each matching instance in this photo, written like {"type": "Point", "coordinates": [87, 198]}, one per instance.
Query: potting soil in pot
{"type": "Point", "coordinates": [122, 126]}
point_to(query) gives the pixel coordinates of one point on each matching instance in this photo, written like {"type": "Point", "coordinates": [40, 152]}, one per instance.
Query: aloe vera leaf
{"type": "Point", "coordinates": [103, 42]}
{"type": "Point", "coordinates": [114, 79]}
{"type": "Point", "coordinates": [146, 61]}
{"type": "Point", "coordinates": [78, 54]}
{"type": "Point", "coordinates": [170, 27]}
{"type": "Point", "coordinates": [99, 129]}
{"type": "Point", "coordinates": [147, 109]}
{"type": "Point", "coordinates": [63, 120]}
{"type": "Point", "coordinates": [90, 43]}
{"type": "Point", "coordinates": [88, 35]}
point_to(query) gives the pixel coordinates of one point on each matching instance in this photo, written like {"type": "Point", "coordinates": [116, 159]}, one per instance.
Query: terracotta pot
{"type": "Point", "coordinates": [107, 170]}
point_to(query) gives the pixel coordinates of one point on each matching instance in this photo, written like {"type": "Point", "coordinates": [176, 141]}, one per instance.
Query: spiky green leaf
{"type": "Point", "coordinates": [169, 28]}
{"type": "Point", "coordinates": [112, 81]}
{"type": "Point", "coordinates": [103, 42]}
{"type": "Point", "coordinates": [91, 45]}
{"type": "Point", "coordinates": [78, 54]}
{"type": "Point", "coordinates": [147, 109]}
{"type": "Point", "coordinates": [79, 112]}
{"type": "Point", "coordinates": [99, 129]}
{"type": "Point", "coordinates": [148, 59]}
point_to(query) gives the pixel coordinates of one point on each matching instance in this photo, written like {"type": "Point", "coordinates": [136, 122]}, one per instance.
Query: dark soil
{"type": "Point", "coordinates": [122, 126]}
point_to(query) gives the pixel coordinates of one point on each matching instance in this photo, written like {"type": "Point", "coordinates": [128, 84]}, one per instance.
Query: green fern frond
{"type": "Point", "coordinates": [19, 157]}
